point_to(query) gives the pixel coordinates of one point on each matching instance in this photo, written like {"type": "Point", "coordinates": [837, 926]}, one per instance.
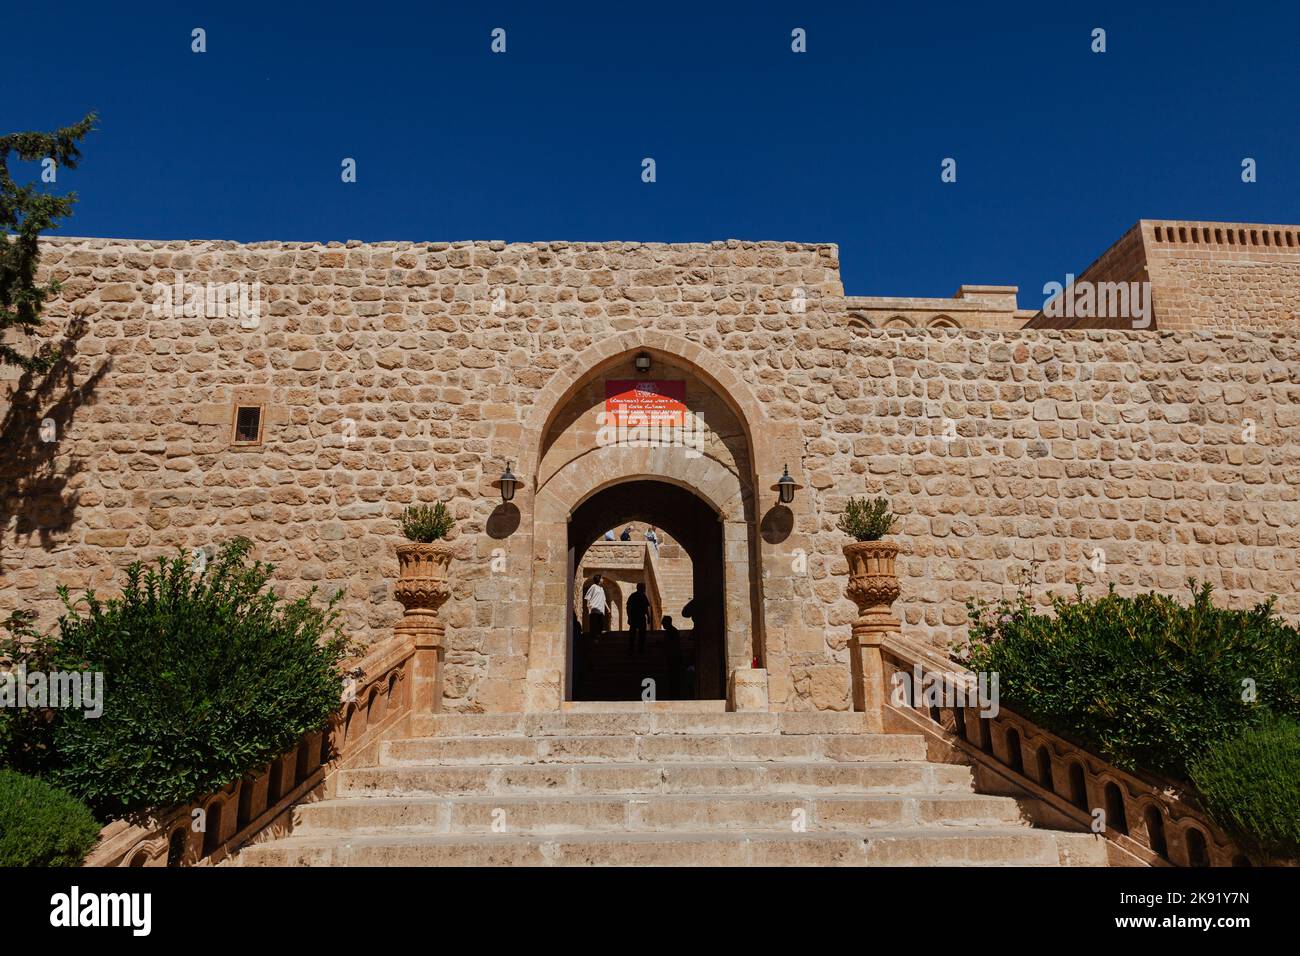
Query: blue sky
{"type": "Point", "coordinates": [1058, 149]}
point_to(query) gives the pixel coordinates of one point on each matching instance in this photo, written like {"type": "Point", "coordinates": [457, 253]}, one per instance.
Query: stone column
{"type": "Point", "coordinates": [422, 588]}
{"type": "Point", "coordinates": [549, 609]}
{"type": "Point", "coordinates": [873, 586]}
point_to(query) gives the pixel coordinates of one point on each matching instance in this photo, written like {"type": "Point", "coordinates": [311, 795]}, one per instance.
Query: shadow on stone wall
{"type": "Point", "coordinates": [34, 497]}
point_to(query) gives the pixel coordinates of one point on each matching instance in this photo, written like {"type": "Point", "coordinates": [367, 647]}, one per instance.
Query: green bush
{"type": "Point", "coordinates": [42, 826]}
{"type": "Point", "coordinates": [1147, 682]}
{"type": "Point", "coordinates": [24, 731]}
{"type": "Point", "coordinates": [208, 675]}
{"type": "Point", "coordinates": [1250, 785]}
{"type": "Point", "coordinates": [865, 520]}
{"type": "Point", "coordinates": [424, 524]}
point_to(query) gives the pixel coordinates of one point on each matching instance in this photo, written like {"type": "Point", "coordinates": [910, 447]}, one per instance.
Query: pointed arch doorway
{"type": "Point", "coordinates": [610, 666]}
{"type": "Point", "coordinates": [567, 459]}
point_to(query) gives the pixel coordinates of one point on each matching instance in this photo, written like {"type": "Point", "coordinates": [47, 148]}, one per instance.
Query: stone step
{"type": "Point", "coordinates": [988, 846]}
{"type": "Point", "coordinates": [462, 751]}
{"type": "Point", "coordinates": [636, 718]}
{"type": "Point", "coordinates": [651, 812]}
{"type": "Point", "coordinates": [794, 777]}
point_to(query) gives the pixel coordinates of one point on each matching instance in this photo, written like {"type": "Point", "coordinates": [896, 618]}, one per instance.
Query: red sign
{"type": "Point", "coordinates": [635, 402]}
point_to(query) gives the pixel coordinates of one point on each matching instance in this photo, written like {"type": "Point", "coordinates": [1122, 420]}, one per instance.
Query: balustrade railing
{"type": "Point", "coordinates": [1146, 820]}
{"type": "Point", "coordinates": [376, 702]}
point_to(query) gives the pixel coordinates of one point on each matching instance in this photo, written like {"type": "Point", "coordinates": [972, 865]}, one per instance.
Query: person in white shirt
{"type": "Point", "coordinates": [597, 609]}
{"type": "Point", "coordinates": [653, 538]}
{"type": "Point", "coordinates": [609, 535]}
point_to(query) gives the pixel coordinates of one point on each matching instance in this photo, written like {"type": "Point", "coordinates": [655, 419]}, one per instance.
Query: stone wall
{"type": "Point", "coordinates": [1175, 454]}
{"type": "Point", "coordinates": [392, 373]}
{"type": "Point", "coordinates": [1224, 275]}
{"type": "Point", "coordinates": [1204, 275]}
{"type": "Point", "coordinates": [399, 372]}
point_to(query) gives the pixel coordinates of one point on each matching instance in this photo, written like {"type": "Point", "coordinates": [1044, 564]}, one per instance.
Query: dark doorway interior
{"type": "Point", "coordinates": [604, 667]}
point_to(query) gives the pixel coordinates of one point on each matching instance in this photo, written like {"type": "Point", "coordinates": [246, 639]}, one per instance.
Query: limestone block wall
{"type": "Point", "coordinates": [1203, 275]}
{"type": "Point", "coordinates": [1175, 455]}
{"type": "Point", "coordinates": [1210, 275]}
{"type": "Point", "coordinates": [1124, 261]}
{"type": "Point", "coordinates": [392, 373]}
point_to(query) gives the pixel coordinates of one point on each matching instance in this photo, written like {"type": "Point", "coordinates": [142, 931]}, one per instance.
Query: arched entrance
{"type": "Point", "coordinates": [563, 461]}
{"type": "Point", "coordinates": [610, 666]}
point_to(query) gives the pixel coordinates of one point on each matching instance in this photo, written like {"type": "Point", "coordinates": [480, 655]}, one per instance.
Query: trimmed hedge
{"type": "Point", "coordinates": [1147, 682]}
{"type": "Point", "coordinates": [208, 675]}
{"type": "Point", "coordinates": [1250, 785]}
{"type": "Point", "coordinates": [42, 826]}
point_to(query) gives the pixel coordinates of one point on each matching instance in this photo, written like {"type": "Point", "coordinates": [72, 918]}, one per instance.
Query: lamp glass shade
{"type": "Point", "coordinates": [785, 487]}
{"type": "Point", "coordinates": [508, 482]}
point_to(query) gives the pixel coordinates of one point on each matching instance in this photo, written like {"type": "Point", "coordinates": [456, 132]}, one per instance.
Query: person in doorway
{"type": "Point", "coordinates": [673, 652]}
{"type": "Point", "coordinates": [597, 608]}
{"type": "Point", "coordinates": [638, 616]}
{"type": "Point", "coordinates": [626, 535]}
{"type": "Point", "coordinates": [652, 538]}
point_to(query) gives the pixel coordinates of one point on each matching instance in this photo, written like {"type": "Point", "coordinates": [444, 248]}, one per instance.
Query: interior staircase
{"type": "Point", "coordinates": [663, 785]}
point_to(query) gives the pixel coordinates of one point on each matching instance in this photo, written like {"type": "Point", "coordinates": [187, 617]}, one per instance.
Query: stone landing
{"type": "Point", "coordinates": [662, 787]}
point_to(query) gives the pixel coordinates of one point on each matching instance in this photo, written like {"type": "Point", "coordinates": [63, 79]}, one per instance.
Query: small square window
{"type": "Point", "coordinates": [248, 425]}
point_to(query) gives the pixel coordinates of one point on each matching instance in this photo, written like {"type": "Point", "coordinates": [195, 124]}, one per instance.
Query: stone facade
{"type": "Point", "coordinates": [394, 373]}
{"type": "Point", "coordinates": [1174, 454]}
{"type": "Point", "coordinates": [1204, 275]}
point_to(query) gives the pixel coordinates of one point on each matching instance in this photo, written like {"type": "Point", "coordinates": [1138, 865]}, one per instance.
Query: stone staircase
{"type": "Point", "coordinates": [661, 786]}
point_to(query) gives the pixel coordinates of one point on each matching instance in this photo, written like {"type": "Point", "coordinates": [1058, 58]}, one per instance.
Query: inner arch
{"type": "Point", "coordinates": [610, 666]}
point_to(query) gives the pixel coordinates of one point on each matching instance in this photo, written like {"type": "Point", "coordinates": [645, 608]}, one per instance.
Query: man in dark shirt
{"type": "Point", "coordinates": [638, 616]}
{"type": "Point", "coordinates": [626, 535]}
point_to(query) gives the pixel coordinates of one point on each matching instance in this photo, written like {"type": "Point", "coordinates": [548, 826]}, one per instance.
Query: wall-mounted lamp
{"type": "Point", "coordinates": [507, 482]}
{"type": "Point", "coordinates": [785, 487]}
{"type": "Point", "coordinates": [642, 361]}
